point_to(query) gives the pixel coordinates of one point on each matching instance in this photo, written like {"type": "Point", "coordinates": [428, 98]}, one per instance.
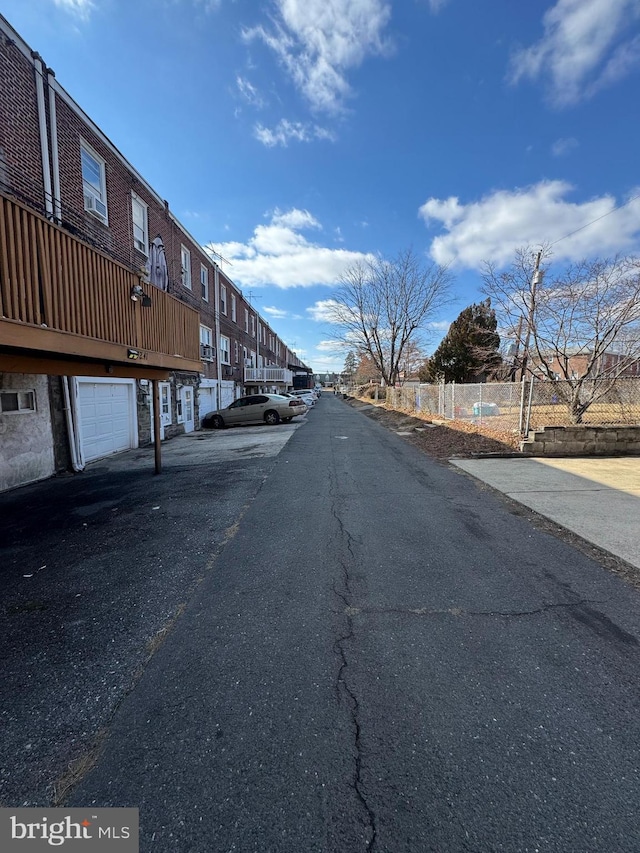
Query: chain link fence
{"type": "Point", "coordinates": [520, 406]}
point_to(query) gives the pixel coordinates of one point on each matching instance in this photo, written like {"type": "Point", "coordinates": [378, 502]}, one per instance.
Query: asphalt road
{"type": "Point", "coordinates": [380, 657]}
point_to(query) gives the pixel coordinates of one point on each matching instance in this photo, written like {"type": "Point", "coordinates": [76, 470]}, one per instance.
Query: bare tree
{"type": "Point", "coordinates": [412, 360]}
{"type": "Point", "coordinates": [581, 325]}
{"type": "Point", "coordinates": [382, 306]}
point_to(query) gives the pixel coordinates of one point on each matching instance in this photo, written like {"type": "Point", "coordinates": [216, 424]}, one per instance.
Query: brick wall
{"type": "Point", "coordinates": [19, 135]}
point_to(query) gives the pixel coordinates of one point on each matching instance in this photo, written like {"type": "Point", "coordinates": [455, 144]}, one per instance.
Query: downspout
{"type": "Point", "coordinates": [42, 124]}
{"type": "Point", "coordinates": [260, 387]}
{"type": "Point", "coordinates": [53, 121]}
{"type": "Point", "coordinates": [216, 302]}
{"type": "Point", "coordinates": [76, 462]}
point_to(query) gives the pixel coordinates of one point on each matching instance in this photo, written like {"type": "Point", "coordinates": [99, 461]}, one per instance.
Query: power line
{"type": "Point", "coordinates": [597, 219]}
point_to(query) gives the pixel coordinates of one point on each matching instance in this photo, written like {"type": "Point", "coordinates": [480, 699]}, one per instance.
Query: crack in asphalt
{"type": "Point", "coordinates": [459, 611]}
{"type": "Point", "coordinates": [344, 693]}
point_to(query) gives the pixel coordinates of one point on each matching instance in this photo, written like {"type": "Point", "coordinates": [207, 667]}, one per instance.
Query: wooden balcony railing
{"type": "Point", "coordinates": [57, 294]}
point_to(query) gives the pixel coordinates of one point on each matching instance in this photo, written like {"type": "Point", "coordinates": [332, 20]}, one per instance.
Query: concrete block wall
{"type": "Point", "coordinates": [579, 440]}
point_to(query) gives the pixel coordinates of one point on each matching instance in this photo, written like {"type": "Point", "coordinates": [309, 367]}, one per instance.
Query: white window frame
{"type": "Point", "coordinates": [225, 350]}
{"type": "Point", "coordinates": [204, 282]}
{"type": "Point", "coordinates": [233, 307]}
{"type": "Point", "coordinates": [185, 261]}
{"type": "Point", "coordinates": [95, 197]}
{"type": "Point", "coordinates": [236, 352]}
{"type": "Point", "coordinates": [166, 417]}
{"type": "Point", "coordinates": [141, 245]}
{"type": "Point", "coordinates": [253, 325]}
{"type": "Point", "coordinates": [246, 320]}
{"type": "Point", "coordinates": [223, 299]}
{"type": "Point", "coordinates": [206, 340]}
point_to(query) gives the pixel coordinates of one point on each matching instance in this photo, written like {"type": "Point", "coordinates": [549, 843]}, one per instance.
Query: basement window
{"type": "Point", "coordinates": [17, 402]}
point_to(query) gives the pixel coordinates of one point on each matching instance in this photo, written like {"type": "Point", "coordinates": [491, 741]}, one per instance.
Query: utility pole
{"type": "Point", "coordinates": [535, 281]}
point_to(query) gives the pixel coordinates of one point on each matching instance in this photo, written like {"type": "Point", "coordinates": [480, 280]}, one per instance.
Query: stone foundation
{"type": "Point", "coordinates": [583, 441]}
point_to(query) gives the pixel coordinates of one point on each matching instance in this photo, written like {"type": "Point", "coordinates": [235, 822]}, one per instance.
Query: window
{"type": "Point", "coordinates": [253, 326]}
{"type": "Point", "coordinates": [223, 299]}
{"type": "Point", "coordinates": [165, 403]}
{"type": "Point", "coordinates": [236, 352]}
{"type": "Point", "coordinates": [94, 182]}
{"type": "Point", "coordinates": [206, 344]}
{"type": "Point", "coordinates": [185, 260]}
{"type": "Point", "coordinates": [140, 219]}
{"type": "Point", "coordinates": [17, 402]}
{"type": "Point", "coordinates": [246, 320]}
{"type": "Point", "coordinates": [233, 307]}
{"type": "Point", "coordinates": [204, 282]}
{"type": "Point", "coordinates": [224, 350]}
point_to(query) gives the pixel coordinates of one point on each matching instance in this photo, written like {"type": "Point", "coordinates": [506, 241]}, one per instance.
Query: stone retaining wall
{"type": "Point", "coordinates": [583, 441]}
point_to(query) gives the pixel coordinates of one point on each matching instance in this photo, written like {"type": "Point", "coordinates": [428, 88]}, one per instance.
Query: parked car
{"type": "Point", "coordinates": [305, 394]}
{"type": "Point", "coordinates": [256, 408]}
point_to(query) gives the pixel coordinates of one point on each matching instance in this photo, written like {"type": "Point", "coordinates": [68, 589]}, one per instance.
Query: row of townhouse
{"type": "Point", "coordinates": [573, 365]}
{"type": "Point", "coordinates": [117, 328]}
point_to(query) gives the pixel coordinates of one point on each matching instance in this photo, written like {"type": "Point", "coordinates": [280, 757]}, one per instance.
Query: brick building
{"type": "Point", "coordinates": [113, 318]}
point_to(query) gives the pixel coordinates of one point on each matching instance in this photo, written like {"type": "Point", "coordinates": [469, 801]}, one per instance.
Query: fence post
{"type": "Point", "coordinates": [521, 419]}
{"type": "Point", "coordinates": [528, 421]}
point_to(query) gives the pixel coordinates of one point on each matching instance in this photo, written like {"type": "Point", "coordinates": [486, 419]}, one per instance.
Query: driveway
{"type": "Point", "coordinates": [95, 568]}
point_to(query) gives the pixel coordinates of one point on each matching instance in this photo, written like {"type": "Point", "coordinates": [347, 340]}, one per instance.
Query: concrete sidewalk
{"type": "Point", "coordinates": [598, 499]}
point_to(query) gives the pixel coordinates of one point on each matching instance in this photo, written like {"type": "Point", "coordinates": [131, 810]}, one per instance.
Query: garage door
{"type": "Point", "coordinates": [107, 418]}
{"type": "Point", "coordinates": [206, 400]}
{"type": "Point", "coordinates": [227, 392]}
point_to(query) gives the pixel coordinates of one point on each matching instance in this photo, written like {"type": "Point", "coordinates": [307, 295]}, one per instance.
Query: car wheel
{"type": "Point", "coordinates": [217, 422]}
{"type": "Point", "coordinates": [271, 418]}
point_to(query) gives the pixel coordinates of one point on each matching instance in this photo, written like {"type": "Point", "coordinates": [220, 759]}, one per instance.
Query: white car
{"type": "Point", "coordinates": [305, 394]}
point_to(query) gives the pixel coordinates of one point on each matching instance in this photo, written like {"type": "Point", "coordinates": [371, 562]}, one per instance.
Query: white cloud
{"type": "Point", "coordinates": [279, 254]}
{"type": "Point", "coordinates": [280, 313]}
{"type": "Point", "coordinates": [583, 49]}
{"type": "Point", "coordinates": [276, 313]}
{"type": "Point", "coordinates": [493, 227]}
{"type": "Point", "coordinates": [81, 8]}
{"type": "Point", "coordinates": [318, 42]}
{"type": "Point", "coordinates": [249, 92]}
{"type": "Point", "coordinates": [208, 5]}
{"type": "Point", "coordinates": [436, 5]}
{"type": "Point", "coordinates": [561, 147]}
{"type": "Point", "coordinates": [323, 311]}
{"type": "Point", "coordinates": [330, 347]}
{"type": "Point", "coordinates": [290, 131]}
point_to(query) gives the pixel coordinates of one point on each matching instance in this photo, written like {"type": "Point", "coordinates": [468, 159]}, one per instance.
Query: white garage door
{"type": "Point", "coordinates": [107, 418]}
{"type": "Point", "coordinates": [206, 400]}
{"type": "Point", "coordinates": [227, 392]}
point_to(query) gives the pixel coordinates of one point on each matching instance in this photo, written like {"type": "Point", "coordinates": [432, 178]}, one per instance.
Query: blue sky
{"type": "Point", "coordinates": [298, 136]}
